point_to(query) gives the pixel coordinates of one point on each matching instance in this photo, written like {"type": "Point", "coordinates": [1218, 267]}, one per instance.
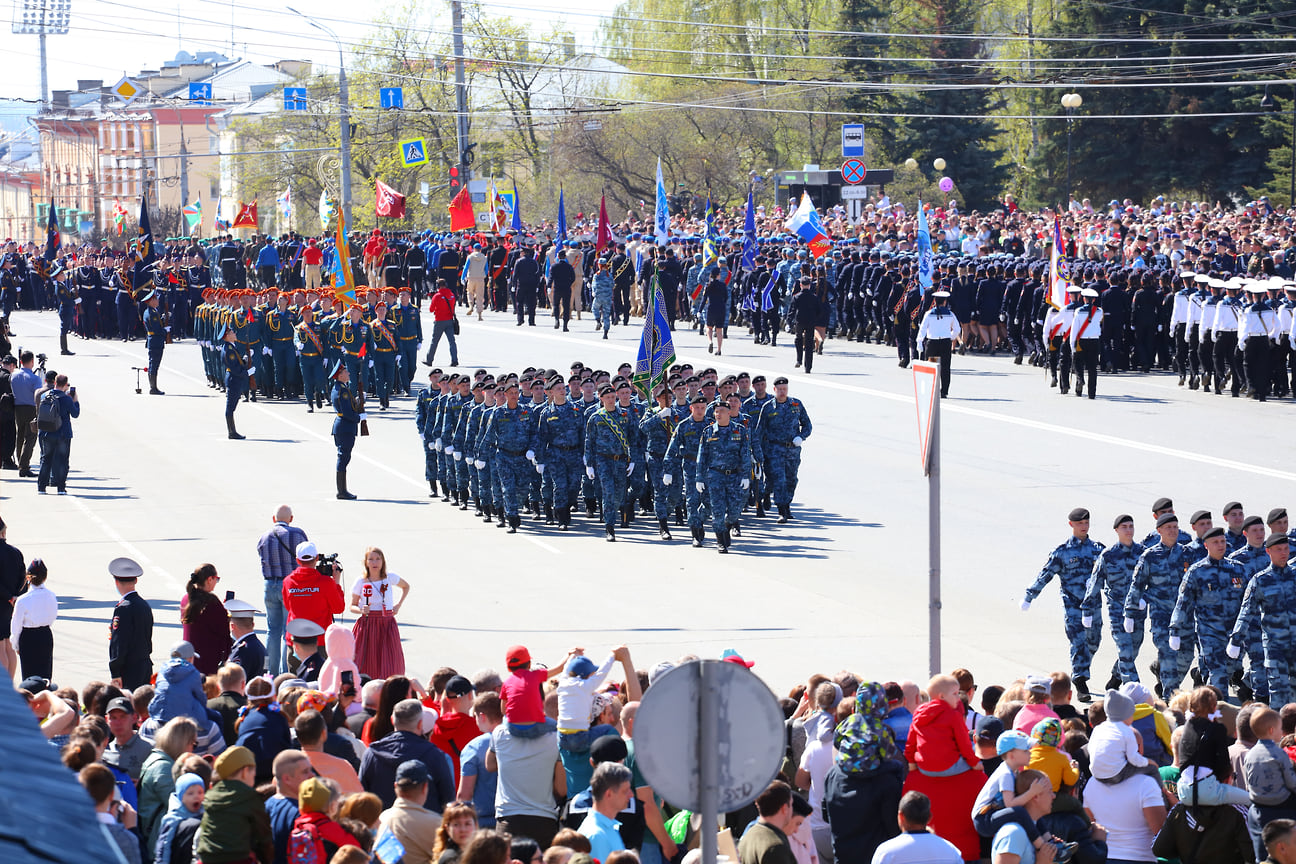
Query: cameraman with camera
{"type": "Point", "coordinates": [314, 590]}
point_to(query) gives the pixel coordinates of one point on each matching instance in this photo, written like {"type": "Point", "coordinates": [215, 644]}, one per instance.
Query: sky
{"type": "Point", "coordinates": [110, 38]}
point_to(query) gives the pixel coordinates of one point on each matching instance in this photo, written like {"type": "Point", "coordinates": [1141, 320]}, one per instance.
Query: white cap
{"type": "Point", "coordinates": [306, 551]}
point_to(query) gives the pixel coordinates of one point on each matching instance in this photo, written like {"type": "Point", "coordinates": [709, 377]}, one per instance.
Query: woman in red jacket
{"type": "Point", "coordinates": [205, 621]}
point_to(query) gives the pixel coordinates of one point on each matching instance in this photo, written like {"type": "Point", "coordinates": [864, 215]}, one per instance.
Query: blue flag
{"type": "Point", "coordinates": [53, 240]}
{"type": "Point", "coordinates": [656, 348]}
{"type": "Point", "coordinates": [709, 254]}
{"type": "Point", "coordinates": [516, 224]}
{"type": "Point", "coordinates": [661, 213]}
{"type": "Point", "coordinates": [924, 250]}
{"type": "Point", "coordinates": [144, 244]}
{"type": "Point", "coordinates": [749, 235]}
{"type": "Point", "coordinates": [562, 216]}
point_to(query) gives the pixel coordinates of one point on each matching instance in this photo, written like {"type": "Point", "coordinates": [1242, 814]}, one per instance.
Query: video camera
{"type": "Point", "coordinates": [326, 564]}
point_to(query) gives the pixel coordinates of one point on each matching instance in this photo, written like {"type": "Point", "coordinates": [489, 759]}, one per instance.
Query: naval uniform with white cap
{"type": "Point", "coordinates": [305, 635]}
{"type": "Point", "coordinates": [247, 650]}
{"type": "Point", "coordinates": [936, 335]}
{"type": "Point", "coordinates": [130, 638]}
{"type": "Point", "coordinates": [1255, 336]}
{"type": "Point", "coordinates": [1086, 341]}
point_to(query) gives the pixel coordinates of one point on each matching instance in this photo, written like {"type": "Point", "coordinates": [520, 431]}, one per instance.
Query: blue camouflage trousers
{"type": "Point", "coordinates": [726, 496]}
{"type": "Point", "coordinates": [784, 460]}
{"type": "Point", "coordinates": [515, 474]}
{"type": "Point", "coordinates": [661, 492]}
{"type": "Point", "coordinates": [602, 310]}
{"type": "Point", "coordinates": [461, 468]}
{"type": "Point", "coordinates": [1084, 642]}
{"type": "Point", "coordinates": [1216, 666]}
{"type": "Point", "coordinates": [1280, 659]}
{"type": "Point", "coordinates": [611, 476]}
{"type": "Point", "coordinates": [694, 501]}
{"type": "Point", "coordinates": [564, 472]}
{"type": "Point", "coordinates": [1128, 645]}
{"type": "Point", "coordinates": [1173, 665]}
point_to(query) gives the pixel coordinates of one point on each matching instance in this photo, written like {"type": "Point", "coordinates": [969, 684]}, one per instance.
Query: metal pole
{"type": "Point", "coordinates": [933, 535]}
{"type": "Point", "coordinates": [709, 760]}
{"type": "Point", "coordinates": [1067, 203]}
{"type": "Point", "coordinates": [44, 72]}
{"type": "Point", "coordinates": [345, 122]}
{"type": "Point", "coordinates": [461, 91]}
{"type": "Point", "coordinates": [184, 180]}
{"type": "Point", "coordinates": [1291, 192]}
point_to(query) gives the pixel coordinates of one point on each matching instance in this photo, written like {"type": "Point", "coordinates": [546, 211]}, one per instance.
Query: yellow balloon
{"type": "Point", "coordinates": [939, 164]}
{"type": "Point", "coordinates": [911, 163]}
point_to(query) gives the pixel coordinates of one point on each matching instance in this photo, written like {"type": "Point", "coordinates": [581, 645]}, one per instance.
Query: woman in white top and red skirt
{"type": "Point", "coordinates": [378, 652]}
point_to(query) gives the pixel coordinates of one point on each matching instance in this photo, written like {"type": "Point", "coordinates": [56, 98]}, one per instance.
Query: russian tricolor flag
{"type": "Point", "coordinates": [805, 224]}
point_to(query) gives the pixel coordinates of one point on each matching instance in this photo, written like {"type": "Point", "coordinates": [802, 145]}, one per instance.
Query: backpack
{"type": "Point", "coordinates": [48, 416]}
{"type": "Point", "coordinates": [305, 846]}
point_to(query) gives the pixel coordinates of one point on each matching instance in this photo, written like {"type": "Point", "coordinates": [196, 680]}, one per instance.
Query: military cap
{"type": "Point", "coordinates": [338, 368]}
{"type": "Point", "coordinates": [1122, 519]}
{"type": "Point", "coordinates": [622, 384]}
{"type": "Point", "coordinates": [1167, 519]}
{"type": "Point", "coordinates": [304, 630]}
{"type": "Point", "coordinates": [1198, 516]}
{"type": "Point", "coordinates": [240, 608]}
{"type": "Point", "coordinates": [722, 403]}
{"type": "Point", "coordinates": [780, 380]}
{"type": "Point", "coordinates": [510, 384]}
{"type": "Point", "coordinates": [1252, 520]}
{"type": "Point", "coordinates": [1276, 514]}
{"type": "Point", "coordinates": [742, 375]}
{"type": "Point", "coordinates": [758, 379]}
{"type": "Point", "coordinates": [1217, 531]}
{"type": "Point", "coordinates": [606, 390]}
{"type": "Point", "coordinates": [699, 400]}
{"type": "Point", "coordinates": [1079, 514]}
{"type": "Point", "coordinates": [1275, 540]}
{"type": "Point", "coordinates": [1162, 504]}
{"type": "Point", "coordinates": [1231, 506]}
{"type": "Point", "coordinates": [125, 569]}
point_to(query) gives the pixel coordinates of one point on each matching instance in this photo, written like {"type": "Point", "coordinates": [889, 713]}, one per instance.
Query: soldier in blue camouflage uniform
{"type": "Point", "coordinates": [454, 427]}
{"type": "Point", "coordinates": [561, 448]}
{"type": "Point", "coordinates": [1155, 587]}
{"type": "Point", "coordinates": [484, 398]}
{"type": "Point", "coordinates": [656, 429]}
{"type": "Point", "coordinates": [681, 466]}
{"type": "Point", "coordinates": [752, 406]}
{"type": "Point", "coordinates": [607, 456]}
{"type": "Point", "coordinates": [1160, 507]}
{"type": "Point", "coordinates": [1252, 558]}
{"type": "Point", "coordinates": [637, 479]}
{"type": "Point", "coordinates": [511, 435]}
{"type": "Point", "coordinates": [1112, 571]}
{"type": "Point", "coordinates": [604, 288]}
{"type": "Point", "coordinates": [1072, 563]}
{"type": "Point", "coordinates": [783, 425]}
{"type": "Point", "coordinates": [1270, 599]}
{"type": "Point", "coordinates": [491, 457]}
{"type": "Point", "coordinates": [538, 488]}
{"type": "Point", "coordinates": [724, 467]}
{"type": "Point", "coordinates": [1210, 598]}
{"type": "Point", "coordinates": [422, 409]}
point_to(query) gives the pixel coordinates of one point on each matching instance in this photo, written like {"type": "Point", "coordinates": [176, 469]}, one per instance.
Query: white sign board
{"type": "Point", "coordinates": [925, 389]}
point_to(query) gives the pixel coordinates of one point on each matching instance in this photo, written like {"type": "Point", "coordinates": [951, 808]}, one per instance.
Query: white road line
{"type": "Point", "coordinates": [131, 549]}
{"type": "Point", "coordinates": [979, 413]}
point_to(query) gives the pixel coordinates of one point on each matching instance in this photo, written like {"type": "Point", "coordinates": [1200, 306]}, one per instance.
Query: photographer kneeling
{"type": "Point", "coordinates": [314, 590]}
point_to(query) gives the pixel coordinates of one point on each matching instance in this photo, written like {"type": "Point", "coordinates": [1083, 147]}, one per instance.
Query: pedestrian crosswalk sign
{"type": "Point", "coordinates": [414, 151]}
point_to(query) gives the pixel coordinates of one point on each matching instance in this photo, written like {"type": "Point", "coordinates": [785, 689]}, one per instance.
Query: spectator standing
{"type": "Point", "coordinates": [455, 727]}
{"type": "Point", "coordinates": [7, 367]}
{"type": "Point", "coordinates": [916, 845]}
{"type": "Point", "coordinates": [378, 650]}
{"type": "Point", "coordinates": [33, 614]}
{"type": "Point", "coordinates": [56, 444]}
{"type": "Point", "coordinates": [862, 789]}
{"type": "Point", "coordinates": [414, 825]}
{"type": "Point", "coordinates": [311, 731]}
{"type": "Point", "coordinates": [309, 594]}
{"type": "Point", "coordinates": [277, 550]}
{"type": "Point", "coordinates": [246, 649]}
{"type": "Point", "coordinates": [1011, 843]}
{"type": "Point", "coordinates": [24, 383]}
{"type": "Point", "coordinates": [204, 620]}
{"type": "Point", "coordinates": [612, 791]}
{"type": "Point", "coordinates": [291, 769]}
{"type": "Point", "coordinates": [13, 582]}
{"type": "Point", "coordinates": [442, 305]}
{"type": "Point", "coordinates": [765, 841]}
{"type": "Point", "coordinates": [130, 640]}
{"type": "Point", "coordinates": [378, 767]}
{"type": "Point", "coordinates": [476, 784]}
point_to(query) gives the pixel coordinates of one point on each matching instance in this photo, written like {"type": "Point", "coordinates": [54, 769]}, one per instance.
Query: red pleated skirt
{"type": "Point", "coordinates": [378, 647]}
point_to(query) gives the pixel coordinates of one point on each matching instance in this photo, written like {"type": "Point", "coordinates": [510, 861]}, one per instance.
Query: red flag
{"type": "Point", "coordinates": [461, 211]}
{"type": "Point", "coordinates": [247, 216]}
{"type": "Point", "coordinates": [603, 238]}
{"type": "Point", "coordinates": [390, 202]}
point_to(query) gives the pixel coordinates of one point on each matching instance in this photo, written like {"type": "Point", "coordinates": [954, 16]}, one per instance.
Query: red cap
{"type": "Point", "coordinates": [517, 656]}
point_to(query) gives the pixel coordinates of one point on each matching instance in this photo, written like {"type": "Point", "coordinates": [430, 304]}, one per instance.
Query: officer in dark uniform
{"type": "Point", "coordinates": [247, 650]}
{"type": "Point", "coordinates": [345, 425]}
{"type": "Point", "coordinates": [237, 369]}
{"type": "Point", "coordinates": [305, 635]}
{"type": "Point", "coordinates": [154, 337]}
{"type": "Point", "coordinates": [130, 638]}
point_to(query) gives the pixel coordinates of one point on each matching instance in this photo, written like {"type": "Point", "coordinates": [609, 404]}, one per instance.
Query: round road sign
{"type": "Point", "coordinates": [853, 171]}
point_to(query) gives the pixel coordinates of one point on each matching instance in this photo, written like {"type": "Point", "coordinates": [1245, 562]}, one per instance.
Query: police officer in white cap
{"type": "Point", "coordinates": [936, 335]}
{"type": "Point", "coordinates": [247, 650]}
{"type": "Point", "coordinates": [1086, 340]}
{"type": "Point", "coordinates": [130, 638]}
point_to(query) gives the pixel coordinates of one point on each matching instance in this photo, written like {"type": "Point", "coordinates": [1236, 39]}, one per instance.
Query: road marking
{"type": "Point", "coordinates": [131, 549]}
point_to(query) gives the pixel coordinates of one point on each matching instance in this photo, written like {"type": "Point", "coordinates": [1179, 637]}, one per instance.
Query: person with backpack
{"type": "Point", "coordinates": [315, 836]}
{"type": "Point", "coordinates": [54, 413]}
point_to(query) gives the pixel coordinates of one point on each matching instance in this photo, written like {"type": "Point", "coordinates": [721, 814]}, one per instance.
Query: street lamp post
{"type": "Point", "coordinates": [344, 116]}
{"type": "Point", "coordinates": [1070, 102]}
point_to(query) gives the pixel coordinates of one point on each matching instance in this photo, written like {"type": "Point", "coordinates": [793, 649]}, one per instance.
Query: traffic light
{"type": "Point", "coordinates": [455, 182]}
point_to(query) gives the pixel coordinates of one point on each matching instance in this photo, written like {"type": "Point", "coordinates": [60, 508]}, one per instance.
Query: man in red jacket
{"type": "Point", "coordinates": [312, 258]}
{"type": "Point", "coordinates": [308, 593]}
{"type": "Point", "coordinates": [442, 306]}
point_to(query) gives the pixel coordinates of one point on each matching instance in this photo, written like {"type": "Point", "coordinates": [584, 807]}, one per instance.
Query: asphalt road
{"type": "Point", "coordinates": [843, 586]}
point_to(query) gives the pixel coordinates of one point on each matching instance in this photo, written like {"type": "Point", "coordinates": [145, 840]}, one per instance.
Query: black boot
{"type": "Point", "coordinates": [513, 523]}
{"type": "Point", "coordinates": [1114, 682]}
{"type": "Point", "coordinates": [549, 514]}
{"type": "Point", "coordinates": [679, 516]}
{"type": "Point", "coordinates": [664, 532]}
{"type": "Point", "coordinates": [342, 493]}
{"type": "Point", "coordinates": [590, 507]}
{"type": "Point", "coordinates": [233, 433]}
{"type": "Point", "coordinates": [463, 501]}
{"type": "Point", "coordinates": [699, 535]}
{"type": "Point", "coordinates": [445, 491]}
{"type": "Point", "coordinates": [153, 388]}
{"type": "Point", "coordinates": [722, 541]}
{"type": "Point", "coordinates": [784, 515]}
{"type": "Point", "coordinates": [760, 508]}
{"type": "Point", "coordinates": [432, 486]}
{"type": "Point", "coordinates": [488, 514]}
{"type": "Point", "coordinates": [1082, 689]}
{"type": "Point", "coordinates": [736, 529]}
{"type": "Point", "coordinates": [63, 349]}
{"type": "Point", "coordinates": [499, 519]}
{"type": "Point", "coordinates": [564, 518]}
{"type": "Point", "coordinates": [609, 533]}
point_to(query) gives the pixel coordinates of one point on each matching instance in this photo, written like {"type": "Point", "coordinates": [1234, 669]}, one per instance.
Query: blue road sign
{"type": "Point", "coordinates": [294, 98]}
{"type": "Point", "coordinates": [852, 140]}
{"type": "Point", "coordinates": [414, 151]}
{"type": "Point", "coordinates": [391, 97]}
{"type": "Point", "coordinates": [200, 93]}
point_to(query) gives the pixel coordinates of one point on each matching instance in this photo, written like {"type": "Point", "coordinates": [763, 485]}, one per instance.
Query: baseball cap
{"type": "Point", "coordinates": [989, 728]}
{"type": "Point", "coordinates": [517, 656]}
{"type": "Point", "coordinates": [306, 551]}
{"type": "Point", "coordinates": [34, 684]}
{"type": "Point", "coordinates": [412, 772]}
{"type": "Point", "coordinates": [184, 650]}
{"type": "Point", "coordinates": [608, 748]}
{"type": "Point", "coordinates": [458, 686]}
{"type": "Point", "coordinates": [581, 667]}
{"type": "Point", "coordinates": [1012, 740]}
{"type": "Point", "coordinates": [121, 703]}
{"type": "Point", "coordinates": [729, 655]}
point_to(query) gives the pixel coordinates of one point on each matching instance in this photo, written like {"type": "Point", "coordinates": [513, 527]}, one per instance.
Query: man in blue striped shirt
{"type": "Point", "coordinates": [278, 560]}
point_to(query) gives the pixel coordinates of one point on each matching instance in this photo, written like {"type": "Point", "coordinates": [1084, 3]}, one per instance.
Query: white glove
{"type": "Point", "coordinates": [1086, 621]}
{"type": "Point", "coordinates": [479, 464]}
{"type": "Point", "coordinates": [667, 479]}
{"type": "Point", "coordinates": [265, 350]}
{"type": "Point", "coordinates": [251, 370]}
{"type": "Point", "coordinates": [746, 484]}
{"type": "Point", "coordinates": [540, 468]}
{"type": "Point", "coordinates": [1142, 604]}
{"type": "Point", "coordinates": [630, 469]}
{"type": "Point", "coordinates": [1175, 643]}
{"type": "Point", "coordinates": [1233, 651]}
{"type": "Point", "coordinates": [798, 441]}
{"type": "Point", "coordinates": [398, 361]}
{"type": "Point", "coordinates": [167, 329]}
{"type": "Point", "coordinates": [701, 487]}
{"type": "Point", "coordinates": [449, 450]}
{"type": "Point", "coordinates": [1129, 625]}
{"type": "Point", "coordinates": [458, 456]}
{"type": "Point", "coordinates": [370, 364]}
{"type": "Point", "coordinates": [589, 472]}
{"type": "Point", "coordinates": [431, 446]}
{"type": "Point", "coordinates": [530, 454]}
{"type": "Point", "coordinates": [1025, 605]}
{"type": "Point", "coordinates": [364, 416]}
{"type": "Point", "coordinates": [438, 444]}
